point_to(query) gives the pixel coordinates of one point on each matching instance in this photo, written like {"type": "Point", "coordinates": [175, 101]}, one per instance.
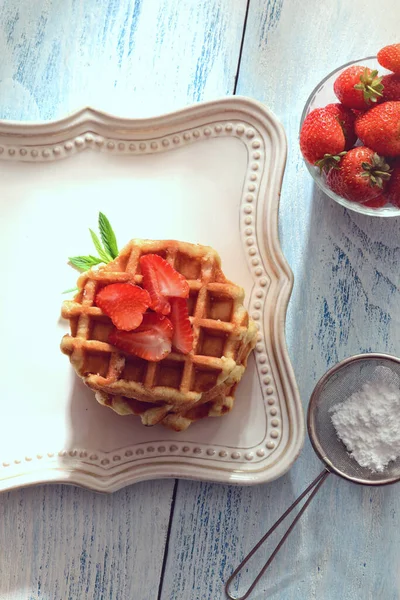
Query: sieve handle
{"type": "Point", "coordinates": [314, 486]}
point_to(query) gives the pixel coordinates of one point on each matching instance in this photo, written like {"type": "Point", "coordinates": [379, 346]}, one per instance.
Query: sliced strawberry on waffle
{"type": "Point", "coordinates": [182, 338]}
{"type": "Point", "coordinates": [124, 303]}
{"type": "Point", "coordinates": [162, 281]}
{"type": "Point", "coordinates": [150, 341]}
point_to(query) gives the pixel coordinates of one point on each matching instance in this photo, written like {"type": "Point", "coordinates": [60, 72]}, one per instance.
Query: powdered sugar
{"type": "Point", "coordinates": [368, 422]}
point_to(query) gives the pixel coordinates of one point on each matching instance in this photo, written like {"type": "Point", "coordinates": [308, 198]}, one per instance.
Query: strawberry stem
{"type": "Point", "coordinates": [374, 91]}
{"type": "Point", "coordinates": [378, 171]}
{"type": "Point", "coordinates": [370, 85]}
{"type": "Point", "coordinates": [329, 161]}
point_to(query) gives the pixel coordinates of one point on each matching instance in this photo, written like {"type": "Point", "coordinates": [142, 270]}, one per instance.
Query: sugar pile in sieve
{"type": "Point", "coordinates": [368, 422]}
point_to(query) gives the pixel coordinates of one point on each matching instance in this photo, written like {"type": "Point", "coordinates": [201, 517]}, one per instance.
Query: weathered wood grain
{"type": "Point", "coordinates": [345, 300]}
{"type": "Point", "coordinates": [336, 551]}
{"type": "Point", "coordinates": [131, 58]}
{"type": "Point", "coordinates": [60, 542]}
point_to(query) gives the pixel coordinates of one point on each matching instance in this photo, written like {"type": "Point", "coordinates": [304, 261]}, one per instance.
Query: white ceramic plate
{"type": "Point", "coordinates": [210, 173]}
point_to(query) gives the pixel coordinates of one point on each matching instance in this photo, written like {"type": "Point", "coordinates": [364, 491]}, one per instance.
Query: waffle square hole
{"type": "Point", "coordinates": [187, 266]}
{"type": "Point", "coordinates": [204, 379]}
{"type": "Point", "coordinates": [100, 329]}
{"type": "Point", "coordinates": [96, 363]}
{"type": "Point", "coordinates": [219, 307]}
{"type": "Point", "coordinates": [169, 373]}
{"type": "Point", "coordinates": [211, 343]}
{"type": "Point", "coordinates": [134, 370]}
{"type": "Point", "coordinates": [192, 302]}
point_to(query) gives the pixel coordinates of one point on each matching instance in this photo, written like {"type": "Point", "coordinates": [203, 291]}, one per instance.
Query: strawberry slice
{"type": "Point", "coordinates": [182, 338]}
{"type": "Point", "coordinates": [124, 303]}
{"type": "Point", "coordinates": [151, 340]}
{"type": "Point", "coordinates": [161, 280]}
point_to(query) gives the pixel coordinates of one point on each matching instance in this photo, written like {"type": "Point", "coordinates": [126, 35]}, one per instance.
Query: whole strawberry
{"type": "Point", "coordinates": [346, 118]}
{"type": "Point", "coordinates": [320, 135]}
{"type": "Point", "coordinates": [391, 87]}
{"type": "Point", "coordinates": [379, 128]}
{"type": "Point", "coordinates": [361, 175]}
{"type": "Point", "coordinates": [389, 57]}
{"type": "Point", "coordinates": [377, 202]}
{"type": "Point", "coordinates": [393, 189]}
{"type": "Point", "coordinates": [358, 87]}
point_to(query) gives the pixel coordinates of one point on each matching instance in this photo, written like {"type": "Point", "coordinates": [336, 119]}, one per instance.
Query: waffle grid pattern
{"type": "Point", "coordinates": [223, 334]}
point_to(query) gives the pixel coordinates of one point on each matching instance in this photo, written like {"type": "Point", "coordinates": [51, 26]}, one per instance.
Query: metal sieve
{"type": "Point", "coordinates": [336, 386]}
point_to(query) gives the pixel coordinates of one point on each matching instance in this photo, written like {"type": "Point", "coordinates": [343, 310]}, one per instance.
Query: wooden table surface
{"type": "Point", "coordinates": [180, 540]}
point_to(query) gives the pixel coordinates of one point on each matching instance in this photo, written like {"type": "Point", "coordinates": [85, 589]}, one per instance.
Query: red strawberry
{"type": "Point", "coordinates": [124, 303]}
{"type": "Point", "coordinates": [151, 340]}
{"type": "Point", "coordinates": [389, 57]}
{"type": "Point", "coordinates": [182, 339]}
{"type": "Point", "coordinates": [357, 113]}
{"type": "Point", "coordinates": [161, 281]}
{"type": "Point", "coordinates": [346, 118]}
{"type": "Point", "coordinates": [393, 190]}
{"type": "Point", "coordinates": [361, 175]}
{"type": "Point", "coordinates": [358, 87]}
{"type": "Point", "coordinates": [377, 202]}
{"type": "Point", "coordinates": [320, 135]}
{"type": "Point", "coordinates": [391, 87]}
{"type": "Point", "coordinates": [379, 128]}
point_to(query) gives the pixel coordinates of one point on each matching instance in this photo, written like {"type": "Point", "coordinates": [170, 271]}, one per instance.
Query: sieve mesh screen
{"type": "Point", "coordinates": [335, 387]}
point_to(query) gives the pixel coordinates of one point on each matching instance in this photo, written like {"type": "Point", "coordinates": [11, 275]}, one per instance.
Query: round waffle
{"type": "Point", "coordinates": [223, 333]}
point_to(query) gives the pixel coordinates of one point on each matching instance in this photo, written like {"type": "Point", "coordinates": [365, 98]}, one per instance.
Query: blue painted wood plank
{"type": "Point", "coordinates": [131, 58]}
{"type": "Point", "coordinates": [64, 543]}
{"type": "Point", "coordinates": [346, 545]}
{"type": "Point", "coordinates": [345, 300]}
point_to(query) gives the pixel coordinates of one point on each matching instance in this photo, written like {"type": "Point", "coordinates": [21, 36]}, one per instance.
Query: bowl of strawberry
{"type": "Point", "coordinates": [350, 134]}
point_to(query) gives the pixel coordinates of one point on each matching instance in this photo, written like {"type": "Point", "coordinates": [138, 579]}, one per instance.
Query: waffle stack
{"type": "Point", "coordinates": [179, 389]}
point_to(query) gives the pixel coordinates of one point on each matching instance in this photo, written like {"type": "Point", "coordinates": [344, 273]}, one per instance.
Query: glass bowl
{"type": "Point", "coordinates": [322, 95]}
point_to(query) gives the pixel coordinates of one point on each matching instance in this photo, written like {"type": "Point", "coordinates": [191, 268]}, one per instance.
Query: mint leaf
{"type": "Point", "coordinates": [106, 254]}
{"type": "Point", "coordinates": [75, 289]}
{"type": "Point", "coordinates": [102, 254]}
{"type": "Point", "coordinates": [107, 236]}
{"type": "Point", "coordinates": [84, 263]}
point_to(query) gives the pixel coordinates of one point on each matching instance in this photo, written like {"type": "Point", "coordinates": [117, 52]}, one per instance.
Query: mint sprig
{"type": "Point", "coordinates": [105, 257]}
{"type": "Point", "coordinates": [108, 236]}
{"type": "Point", "coordinates": [84, 263]}
{"type": "Point", "coordinates": [106, 252]}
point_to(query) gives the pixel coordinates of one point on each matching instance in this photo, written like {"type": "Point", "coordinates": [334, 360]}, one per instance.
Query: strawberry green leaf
{"type": "Point", "coordinates": [370, 85]}
{"type": "Point", "coordinates": [329, 161]}
{"type": "Point", "coordinates": [107, 236]}
{"type": "Point", "coordinates": [84, 263]}
{"type": "Point", "coordinates": [378, 171]}
{"type": "Point", "coordinates": [105, 257]}
{"type": "Point", "coordinates": [75, 289]}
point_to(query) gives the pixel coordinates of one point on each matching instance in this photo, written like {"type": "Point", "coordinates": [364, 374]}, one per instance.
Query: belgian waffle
{"type": "Point", "coordinates": [164, 414]}
{"type": "Point", "coordinates": [223, 333]}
